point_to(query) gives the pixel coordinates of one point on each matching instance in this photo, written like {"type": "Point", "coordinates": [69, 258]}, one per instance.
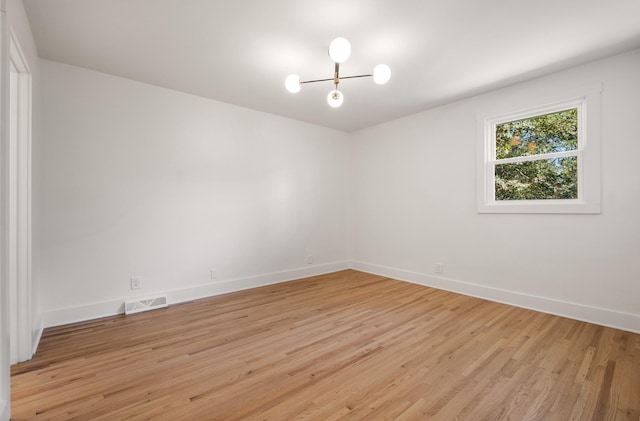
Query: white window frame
{"type": "Point", "coordinates": [588, 153]}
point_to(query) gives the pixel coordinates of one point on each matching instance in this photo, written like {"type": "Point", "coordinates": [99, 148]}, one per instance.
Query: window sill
{"type": "Point", "coordinates": [541, 206]}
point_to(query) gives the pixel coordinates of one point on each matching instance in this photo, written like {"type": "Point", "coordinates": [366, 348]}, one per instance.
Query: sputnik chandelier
{"type": "Point", "coordinates": [339, 51]}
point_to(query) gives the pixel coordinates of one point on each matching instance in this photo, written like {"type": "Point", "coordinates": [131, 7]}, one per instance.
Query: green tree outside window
{"type": "Point", "coordinates": [539, 178]}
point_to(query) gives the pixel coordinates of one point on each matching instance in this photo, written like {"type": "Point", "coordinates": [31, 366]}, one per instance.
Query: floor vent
{"type": "Point", "coordinates": [145, 304]}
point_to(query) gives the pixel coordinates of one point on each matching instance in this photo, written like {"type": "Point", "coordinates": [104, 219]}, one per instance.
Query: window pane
{"type": "Point", "coordinates": [555, 132]}
{"type": "Point", "coordinates": [555, 178]}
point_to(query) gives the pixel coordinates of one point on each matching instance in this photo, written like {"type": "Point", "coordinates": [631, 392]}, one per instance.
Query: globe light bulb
{"type": "Point", "coordinates": [335, 98]}
{"type": "Point", "coordinates": [381, 74]}
{"type": "Point", "coordinates": [339, 50]}
{"type": "Point", "coordinates": [292, 83]}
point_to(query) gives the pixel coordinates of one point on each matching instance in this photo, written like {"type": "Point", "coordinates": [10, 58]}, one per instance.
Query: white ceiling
{"type": "Point", "coordinates": [241, 51]}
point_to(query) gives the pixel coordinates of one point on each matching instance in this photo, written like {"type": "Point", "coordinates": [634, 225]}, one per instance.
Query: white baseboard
{"type": "Point", "coordinates": [232, 285]}
{"type": "Point", "coordinates": [82, 313]}
{"type": "Point", "coordinates": [111, 308]}
{"type": "Point", "coordinates": [599, 316]}
{"type": "Point", "coordinates": [604, 317]}
{"type": "Point", "coordinates": [36, 335]}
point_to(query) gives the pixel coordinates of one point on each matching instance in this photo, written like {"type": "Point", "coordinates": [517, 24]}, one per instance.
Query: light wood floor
{"type": "Point", "coordinates": [345, 346]}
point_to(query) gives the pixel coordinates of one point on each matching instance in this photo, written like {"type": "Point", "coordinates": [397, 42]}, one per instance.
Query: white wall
{"type": "Point", "coordinates": [415, 206]}
{"type": "Point", "coordinates": [141, 181]}
{"type": "Point", "coordinates": [146, 182]}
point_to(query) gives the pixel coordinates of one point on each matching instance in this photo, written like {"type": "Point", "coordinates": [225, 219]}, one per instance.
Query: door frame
{"type": "Point", "coordinates": [20, 289]}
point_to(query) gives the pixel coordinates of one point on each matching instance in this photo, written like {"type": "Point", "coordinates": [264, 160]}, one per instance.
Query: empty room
{"type": "Point", "coordinates": [303, 210]}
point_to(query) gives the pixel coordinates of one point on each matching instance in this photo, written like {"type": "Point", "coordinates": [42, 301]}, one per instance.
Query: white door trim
{"type": "Point", "coordinates": [20, 294]}
{"type": "Point", "coordinates": [5, 393]}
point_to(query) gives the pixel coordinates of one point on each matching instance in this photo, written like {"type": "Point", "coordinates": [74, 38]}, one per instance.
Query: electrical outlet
{"type": "Point", "coordinates": [310, 259]}
{"type": "Point", "coordinates": [439, 268]}
{"type": "Point", "coordinates": [135, 283]}
{"type": "Point", "coordinates": [212, 274]}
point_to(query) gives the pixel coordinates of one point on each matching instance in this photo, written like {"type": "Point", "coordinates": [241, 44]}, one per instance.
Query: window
{"type": "Point", "coordinates": [541, 160]}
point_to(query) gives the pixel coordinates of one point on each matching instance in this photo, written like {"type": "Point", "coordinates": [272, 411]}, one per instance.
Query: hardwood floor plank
{"type": "Point", "coordinates": [343, 346]}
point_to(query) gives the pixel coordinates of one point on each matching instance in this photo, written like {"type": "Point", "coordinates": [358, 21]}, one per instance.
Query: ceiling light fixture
{"type": "Point", "coordinates": [339, 51]}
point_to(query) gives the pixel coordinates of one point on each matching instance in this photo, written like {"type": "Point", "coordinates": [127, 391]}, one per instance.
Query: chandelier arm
{"type": "Point", "coordinates": [317, 80]}
{"type": "Point", "coordinates": [353, 77]}
{"type": "Point", "coordinates": [332, 79]}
